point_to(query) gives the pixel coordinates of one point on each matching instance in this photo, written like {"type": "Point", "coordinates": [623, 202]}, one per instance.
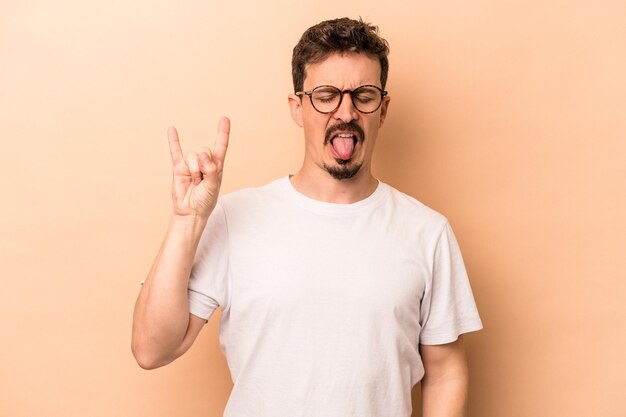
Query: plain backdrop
{"type": "Point", "coordinates": [508, 117]}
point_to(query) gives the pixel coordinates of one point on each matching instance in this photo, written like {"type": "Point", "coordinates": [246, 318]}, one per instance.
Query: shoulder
{"type": "Point", "coordinates": [253, 197]}
{"type": "Point", "coordinates": [413, 212]}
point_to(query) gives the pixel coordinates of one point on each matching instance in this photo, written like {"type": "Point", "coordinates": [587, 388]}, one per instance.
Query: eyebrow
{"type": "Point", "coordinates": [342, 89]}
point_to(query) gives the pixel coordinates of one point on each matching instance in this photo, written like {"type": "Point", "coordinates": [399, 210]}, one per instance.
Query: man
{"type": "Point", "coordinates": [338, 292]}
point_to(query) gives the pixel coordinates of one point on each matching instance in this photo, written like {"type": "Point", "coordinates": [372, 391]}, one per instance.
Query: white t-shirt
{"type": "Point", "coordinates": [324, 305]}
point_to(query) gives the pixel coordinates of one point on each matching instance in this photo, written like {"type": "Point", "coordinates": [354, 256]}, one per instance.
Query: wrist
{"type": "Point", "coordinates": [196, 222]}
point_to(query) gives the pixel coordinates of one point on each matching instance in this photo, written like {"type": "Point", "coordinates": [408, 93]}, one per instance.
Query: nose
{"type": "Point", "coordinates": [346, 112]}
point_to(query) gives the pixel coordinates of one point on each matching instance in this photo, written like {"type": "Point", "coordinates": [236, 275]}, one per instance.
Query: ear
{"type": "Point", "coordinates": [383, 110]}
{"type": "Point", "coordinates": [295, 105]}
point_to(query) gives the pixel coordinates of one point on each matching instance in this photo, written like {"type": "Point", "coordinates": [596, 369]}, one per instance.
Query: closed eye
{"type": "Point", "coordinates": [327, 99]}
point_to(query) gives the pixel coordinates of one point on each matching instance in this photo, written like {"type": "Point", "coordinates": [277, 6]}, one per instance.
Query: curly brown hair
{"type": "Point", "coordinates": [338, 36]}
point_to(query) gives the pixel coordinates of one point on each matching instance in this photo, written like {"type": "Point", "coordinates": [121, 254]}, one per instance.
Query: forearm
{"type": "Point", "coordinates": [445, 396]}
{"type": "Point", "coordinates": [161, 313]}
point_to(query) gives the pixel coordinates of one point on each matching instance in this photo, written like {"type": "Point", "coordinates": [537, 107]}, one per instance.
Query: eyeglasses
{"type": "Point", "coordinates": [326, 98]}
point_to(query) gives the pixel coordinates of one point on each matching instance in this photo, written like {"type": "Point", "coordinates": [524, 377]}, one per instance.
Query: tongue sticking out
{"type": "Point", "coordinates": [343, 147]}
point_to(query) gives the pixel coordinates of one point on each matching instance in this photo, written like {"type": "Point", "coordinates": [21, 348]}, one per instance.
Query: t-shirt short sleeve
{"type": "Point", "coordinates": [448, 308]}
{"type": "Point", "coordinates": [208, 281]}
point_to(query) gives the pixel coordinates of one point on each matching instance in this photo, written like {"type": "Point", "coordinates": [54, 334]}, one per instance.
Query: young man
{"type": "Point", "coordinates": [338, 292]}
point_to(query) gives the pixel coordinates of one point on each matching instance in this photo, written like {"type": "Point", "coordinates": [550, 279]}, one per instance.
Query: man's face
{"type": "Point", "coordinates": [341, 142]}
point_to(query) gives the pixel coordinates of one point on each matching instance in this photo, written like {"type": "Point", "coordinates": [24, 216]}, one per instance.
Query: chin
{"type": "Point", "coordinates": [343, 171]}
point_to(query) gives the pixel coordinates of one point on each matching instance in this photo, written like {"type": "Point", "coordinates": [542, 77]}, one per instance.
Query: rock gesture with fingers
{"type": "Point", "coordinates": [198, 176]}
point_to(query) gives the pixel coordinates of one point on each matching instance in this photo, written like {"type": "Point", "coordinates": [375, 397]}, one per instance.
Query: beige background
{"type": "Point", "coordinates": [506, 116]}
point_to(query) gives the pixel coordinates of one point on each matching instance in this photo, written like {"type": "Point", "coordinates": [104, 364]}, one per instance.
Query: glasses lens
{"type": "Point", "coordinates": [367, 98]}
{"type": "Point", "coordinates": [325, 98]}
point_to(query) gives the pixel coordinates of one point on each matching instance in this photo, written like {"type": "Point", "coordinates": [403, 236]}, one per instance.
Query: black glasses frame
{"type": "Point", "coordinates": [383, 93]}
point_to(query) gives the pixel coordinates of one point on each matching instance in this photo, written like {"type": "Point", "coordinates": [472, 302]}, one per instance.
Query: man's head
{"type": "Point", "coordinates": [338, 36]}
{"type": "Point", "coordinates": [339, 70]}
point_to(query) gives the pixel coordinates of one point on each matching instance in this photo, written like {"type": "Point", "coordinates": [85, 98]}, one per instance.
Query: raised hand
{"type": "Point", "coordinates": [198, 176]}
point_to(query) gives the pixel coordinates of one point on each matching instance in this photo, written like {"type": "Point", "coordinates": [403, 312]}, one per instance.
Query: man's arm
{"type": "Point", "coordinates": [163, 328]}
{"type": "Point", "coordinates": [445, 382]}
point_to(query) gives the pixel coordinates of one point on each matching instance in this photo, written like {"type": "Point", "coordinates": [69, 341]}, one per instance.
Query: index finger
{"type": "Point", "coordinates": [221, 141]}
{"type": "Point", "coordinates": [175, 151]}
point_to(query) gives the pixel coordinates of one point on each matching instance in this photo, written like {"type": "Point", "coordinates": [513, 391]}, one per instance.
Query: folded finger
{"type": "Point", "coordinates": [194, 169]}
{"type": "Point", "coordinates": [204, 149]}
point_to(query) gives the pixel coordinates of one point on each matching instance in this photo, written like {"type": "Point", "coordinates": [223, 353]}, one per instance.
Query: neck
{"type": "Point", "coordinates": [321, 186]}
